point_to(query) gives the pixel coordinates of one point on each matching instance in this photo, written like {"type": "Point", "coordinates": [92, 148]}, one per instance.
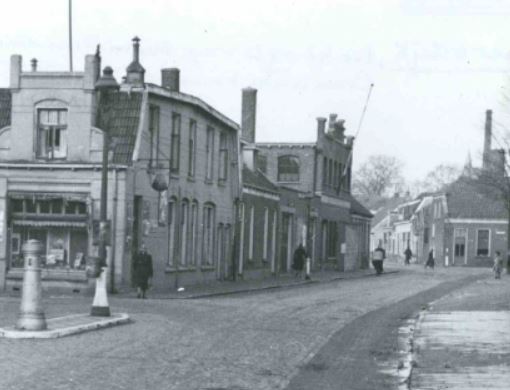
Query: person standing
{"type": "Point", "coordinates": [498, 265]}
{"type": "Point", "coordinates": [299, 260]}
{"type": "Point", "coordinates": [408, 253]}
{"type": "Point", "coordinates": [377, 259]}
{"type": "Point", "coordinates": [142, 269]}
{"type": "Point", "coordinates": [430, 260]}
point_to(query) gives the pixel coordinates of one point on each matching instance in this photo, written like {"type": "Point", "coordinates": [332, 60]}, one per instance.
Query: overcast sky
{"type": "Point", "coordinates": [436, 65]}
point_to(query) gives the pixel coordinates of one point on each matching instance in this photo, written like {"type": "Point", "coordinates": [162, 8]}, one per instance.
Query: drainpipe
{"type": "Point", "coordinates": [114, 230]}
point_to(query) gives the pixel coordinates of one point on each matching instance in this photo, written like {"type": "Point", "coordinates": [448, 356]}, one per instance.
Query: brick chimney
{"type": "Point", "coordinates": [135, 71]}
{"type": "Point", "coordinates": [33, 63]}
{"type": "Point", "coordinates": [487, 140]}
{"type": "Point", "coordinates": [170, 79]}
{"type": "Point", "coordinates": [321, 127]}
{"type": "Point", "coordinates": [332, 121]}
{"type": "Point", "coordinates": [248, 114]}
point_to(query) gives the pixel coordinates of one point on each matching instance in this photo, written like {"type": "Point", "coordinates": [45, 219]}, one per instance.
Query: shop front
{"type": "Point", "coordinates": [60, 222]}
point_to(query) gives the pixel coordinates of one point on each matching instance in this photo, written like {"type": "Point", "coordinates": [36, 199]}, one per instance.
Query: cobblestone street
{"type": "Point", "coordinates": [247, 341]}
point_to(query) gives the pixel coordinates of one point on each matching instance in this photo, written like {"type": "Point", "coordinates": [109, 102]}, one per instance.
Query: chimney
{"type": "Point", "coordinates": [487, 139]}
{"type": "Point", "coordinates": [97, 63]}
{"type": "Point", "coordinates": [16, 69]}
{"type": "Point", "coordinates": [170, 79]}
{"type": "Point", "coordinates": [248, 114]}
{"type": "Point", "coordinates": [339, 130]}
{"type": "Point", "coordinates": [135, 71]}
{"type": "Point", "coordinates": [321, 127]}
{"type": "Point", "coordinates": [33, 63]}
{"type": "Point", "coordinates": [332, 120]}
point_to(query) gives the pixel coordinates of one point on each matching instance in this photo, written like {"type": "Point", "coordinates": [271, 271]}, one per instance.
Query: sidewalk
{"type": "Point", "coordinates": [462, 342]}
{"type": "Point", "coordinates": [218, 288]}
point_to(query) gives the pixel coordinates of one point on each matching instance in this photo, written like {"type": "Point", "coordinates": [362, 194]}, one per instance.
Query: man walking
{"type": "Point", "coordinates": [408, 255]}
{"type": "Point", "coordinates": [299, 259]}
{"type": "Point", "coordinates": [377, 259]}
{"type": "Point", "coordinates": [142, 269]}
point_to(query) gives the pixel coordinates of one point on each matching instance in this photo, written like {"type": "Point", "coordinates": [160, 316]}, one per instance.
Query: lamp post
{"type": "Point", "coordinates": [106, 86]}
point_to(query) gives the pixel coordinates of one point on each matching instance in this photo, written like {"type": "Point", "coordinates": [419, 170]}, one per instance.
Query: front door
{"type": "Point", "coordinates": [459, 255]}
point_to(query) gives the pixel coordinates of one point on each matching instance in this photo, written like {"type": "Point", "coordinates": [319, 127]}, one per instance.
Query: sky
{"type": "Point", "coordinates": [436, 65]}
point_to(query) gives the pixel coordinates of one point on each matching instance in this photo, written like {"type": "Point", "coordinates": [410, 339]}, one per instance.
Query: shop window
{"type": "Point", "coordinates": [57, 206]}
{"type": "Point", "coordinates": [288, 169]}
{"type": "Point", "coordinates": [30, 206]}
{"type": "Point", "coordinates": [44, 206]}
{"type": "Point", "coordinates": [51, 133]}
{"type": "Point", "coordinates": [482, 242]}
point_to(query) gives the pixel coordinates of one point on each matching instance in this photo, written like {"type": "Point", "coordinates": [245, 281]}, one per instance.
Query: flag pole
{"type": "Point", "coordinates": [70, 35]}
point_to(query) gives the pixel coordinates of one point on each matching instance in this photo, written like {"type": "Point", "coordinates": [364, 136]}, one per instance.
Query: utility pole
{"type": "Point", "coordinates": [70, 35]}
{"type": "Point", "coordinates": [106, 87]}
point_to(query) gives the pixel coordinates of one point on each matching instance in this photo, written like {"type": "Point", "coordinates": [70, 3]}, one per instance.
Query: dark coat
{"type": "Point", "coordinates": [142, 269]}
{"type": "Point", "coordinates": [299, 258]}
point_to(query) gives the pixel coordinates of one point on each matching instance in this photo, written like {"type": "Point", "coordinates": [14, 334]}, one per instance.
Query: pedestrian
{"type": "Point", "coordinates": [430, 260]}
{"type": "Point", "coordinates": [498, 265]}
{"type": "Point", "coordinates": [142, 269]}
{"type": "Point", "coordinates": [378, 258]}
{"type": "Point", "coordinates": [299, 259]}
{"type": "Point", "coordinates": [408, 253]}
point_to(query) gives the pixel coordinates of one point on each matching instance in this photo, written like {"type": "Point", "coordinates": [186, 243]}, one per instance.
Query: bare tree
{"type": "Point", "coordinates": [378, 175]}
{"type": "Point", "coordinates": [439, 177]}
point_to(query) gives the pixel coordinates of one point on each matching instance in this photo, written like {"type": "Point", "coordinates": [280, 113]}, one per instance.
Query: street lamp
{"type": "Point", "coordinates": [106, 86]}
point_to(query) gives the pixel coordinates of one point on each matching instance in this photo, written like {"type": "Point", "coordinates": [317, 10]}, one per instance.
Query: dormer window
{"type": "Point", "coordinates": [52, 133]}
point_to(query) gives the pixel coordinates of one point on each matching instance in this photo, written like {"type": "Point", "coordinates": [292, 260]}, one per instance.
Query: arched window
{"type": "Point", "coordinates": [288, 168]}
{"type": "Point", "coordinates": [208, 234]}
{"type": "Point", "coordinates": [193, 233]}
{"type": "Point", "coordinates": [184, 230]}
{"type": "Point", "coordinates": [171, 231]}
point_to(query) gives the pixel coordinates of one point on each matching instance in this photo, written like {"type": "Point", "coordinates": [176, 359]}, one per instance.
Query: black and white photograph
{"type": "Point", "coordinates": [255, 195]}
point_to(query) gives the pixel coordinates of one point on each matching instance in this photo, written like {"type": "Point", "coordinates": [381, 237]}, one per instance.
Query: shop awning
{"type": "Point", "coordinates": [42, 223]}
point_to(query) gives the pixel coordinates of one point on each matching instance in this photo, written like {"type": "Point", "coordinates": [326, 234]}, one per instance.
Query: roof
{"type": "Point", "coordinates": [390, 205]}
{"type": "Point", "coordinates": [468, 199]}
{"type": "Point", "coordinates": [358, 209]}
{"type": "Point", "coordinates": [124, 126]}
{"type": "Point", "coordinates": [257, 180]}
{"type": "Point", "coordinates": [5, 107]}
{"type": "Point", "coordinates": [193, 100]}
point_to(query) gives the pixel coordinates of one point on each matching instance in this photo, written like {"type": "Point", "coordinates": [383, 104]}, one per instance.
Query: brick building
{"type": "Point", "coordinates": [320, 174]}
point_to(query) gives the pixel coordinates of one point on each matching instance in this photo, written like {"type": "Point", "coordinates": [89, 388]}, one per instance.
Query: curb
{"type": "Point", "coordinates": [273, 287]}
{"type": "Point", "coordinates": [56, 332]}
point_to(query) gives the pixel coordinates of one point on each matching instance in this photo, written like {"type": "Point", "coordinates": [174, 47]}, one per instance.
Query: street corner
{"type": "Point", "coordinates": [66, 326]}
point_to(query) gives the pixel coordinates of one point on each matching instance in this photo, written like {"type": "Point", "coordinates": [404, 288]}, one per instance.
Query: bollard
{"type": "Point", "coordinates": [100, 307]}
{"type": "Point", "coordinates": [31, 314]}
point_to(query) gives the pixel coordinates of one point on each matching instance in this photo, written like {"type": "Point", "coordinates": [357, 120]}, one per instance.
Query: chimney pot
{"type": "Point", "coordinates": [170, 79]}
{"type": "Point", "coordinates": [332, 120]}
{"type": "Point", "coordinates": [248, 114]}
{"type": "Point", "coordinates": [33, 62]}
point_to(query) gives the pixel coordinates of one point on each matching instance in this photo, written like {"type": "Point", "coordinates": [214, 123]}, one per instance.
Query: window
{"type": "Point", "coordinates": [482, 242]}
{"type": "Point", "coordinates": [193, 233]}
{"type": "Point", "coordinates": [288, 168]}
{"type": "Point", "coordinates": [171, 232]}
{"type": "Point", "coordinates": [251, 233]}
{"type": "Point", "coordinates": [223, 165]}
{"type": "Point", "coordinates": [51, 137]}
{"type": "Point", "coordinates": [261, 162]}
{"type": "Point", "coordinates": [330, 172]}
{"type": "Point", "coordinates": [162, 208]}
{"type": "Point", "coordinates": [192, 145]}
{"type": "Point", "coordinates": [266, 234]}
{"type": "Point", "coordinates": [335, 174]}
{"type": "Point", "coordinates": [426, 235]}
{"type": "Point", "coordinates": [341, 180]}
{"type": "Point", "coordinates": [325, 172]}
{"type": "Point", "coordinates": [176, 142]}
{"type": "Point", "coordinates": [208, 236]}
{"type": "Point", "coordinates": [332, 238]}
{"type": "Point", "coordinates": [184, 230]}
{"type": "Point", "coordinates": [209, 150]}
{"type": "Point", "coordinates": [154, 133]}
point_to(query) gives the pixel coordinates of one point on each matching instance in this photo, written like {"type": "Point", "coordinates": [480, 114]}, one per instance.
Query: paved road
{"type": "Point", "coordinates": [251, 341]}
